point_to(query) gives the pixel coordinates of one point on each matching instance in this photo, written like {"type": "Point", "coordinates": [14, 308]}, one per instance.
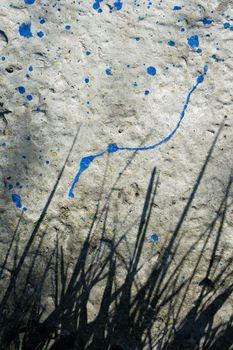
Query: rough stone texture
{"type": "Point", "coordinates": [192, 209]}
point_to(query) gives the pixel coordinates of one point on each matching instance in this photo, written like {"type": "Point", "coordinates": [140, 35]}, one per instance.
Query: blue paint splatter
{"type": "Point", "coordinates": [154, 238]}
{"type": "Point", "coordinates": [21, 89]}
{"type": "Point", "coordinates": [29, 97]}
{"type": "Point", "coordinates": [151, 71]}
{"type": "Point", "coordinates": [17, 200]}
{"type": "Point", "coordinates": [193, 41]}
{"type": "Point", "coordinates": [88, 53]}
{"type": "Point", "coordinates": [207, 21]}
{"type": "Point", "coordinates": [42, 21]}
{"type": "Point", "coordinates": [96, 6]}
{"type": "Point", "coordinates": [108, 71]}
{"type": "Point", "coordinates": [40, 34]}
{"type": "Point", "coordinates": [68, 27]}
{"type": "Point", "coordinates": [29, 2]}
{"type": "Point", "coordinates": [171, 43]}
{"type": "Point", "coordinates": [177, 8]}
{"type": "Point", "coordinates": [118, 5]}
{"type": "Point", "coordinates": [25, 30]}
{"type": "Point", "coordinates": [112, 148]}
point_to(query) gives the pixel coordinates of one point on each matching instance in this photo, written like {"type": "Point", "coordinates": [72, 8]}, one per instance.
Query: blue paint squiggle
{"type": "Point", "coordinates": [113, 148]}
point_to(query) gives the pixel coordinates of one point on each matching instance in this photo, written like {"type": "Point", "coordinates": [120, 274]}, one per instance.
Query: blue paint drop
{"type": "Point", "coordinates": [146, 92]}
{"type": "Point", "coordinates": [88, 53]}
{"type": "Point", "coordinates": [10, 187]}
{"type": "Point", "coordinates": [68, 27]}
{"type": "Point", "coordinates": [17, 200]}
{"type": "Point", "coordinates": [21, 89]}
{"type": "Point", "coordinates": [177, 8]}
{"type": "Point", "coordinates": [112, 148]}
{"type": "Point", "coordinates": [151, 71]}
{"type": "Point", "coordinates": [226, 25]}
{"type": "Point", "coordinates": [40, 34]}
{"type": "Point", "coordinates": [108, 71]}
{"type": "Point", "coordinates": [29, 97]}
{"type": "Point", "coordinates": [29, 2]}
{"type": "Point", "coordinates": [171, 43]}
{"type": "Point", "coordinates": [207, 21]}
{"type": "Point", "coordinates": [47, 162]}
{"type": "Point", "coordinates": [87, 80]}
{"type": "Point", "coordinates": [118, 5]}
{"type": "Point", "coordinates": [30, 69]}
{"type": "Point", "coordinates": [25, 30]}
{"type": "Point", "coordinates": [193, 41]}
{"type": "Point", "coordinates": [154, 238]}
{"type": "Point", "coordinates": [42, 21]}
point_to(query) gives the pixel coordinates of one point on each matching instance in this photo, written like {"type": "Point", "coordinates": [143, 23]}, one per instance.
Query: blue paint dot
{"type": "Point", "coordinates": [25, 30]}
{"type": "Point", "coordinates": [214, 57]}
{"type": "Point", "coordinates": [68, 27]}
{"type": "Point", "coordinates": [42, 21]}
{"type": "Point", "coordinates": [87, 80]}
{"type": "Point", "coordinates": [112, 148]}
{"type": "Point", "coordinates": [154, 238]}
{"type": "Point", "coordinates": [171, 43]}
{"type": "Point", "coordinates": [199, 50]}
{"type": "Point", "coordinates": [10, 187]}
{"type": "Point", "coordinates": [231, 28]}
{"type": "Point", "coordinates": [3, 58]}
{"type": "Point", "coordinates": [21, 89]}
{"type": "Point", "coordinates": [47, 162]}
{"type": "Point", "coordinates": [193, 41]}
{"type": "Point", "coordinates": [177, 8]}
{"type": "Point", "coordinates": [40, 34]}
{"type": "Point", "coordinates": [17, 200]}
{"type": "Point", "coordinates": [151, 71]}
{"type": "Point", "coordinates": [29, 97]}
{"type": "Point", "coordinates": [118, 5]}
{"type": "Point", "coordinates": [207, 21]}
{"type": "Point", "coordinates": [226, 25]}
{"type": "Point", "coordinates": [146, 92]}
{"type": "Point", "coordinates": [29, 2]}
{"type": "Point", "coordinates": [182, 29]}
{"type": "Point", "coordinates": [88, 53]}
{"type": "Point", "coordinates": [108, 71]}
{"type": "Point", "coordinates": [30, 69]}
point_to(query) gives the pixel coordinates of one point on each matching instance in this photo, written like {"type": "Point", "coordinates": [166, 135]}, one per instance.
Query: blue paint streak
{"type": "Point", "coordinates": [113, 148]}
{"type": "Point", "coordinates": [25, 30]}
{"type": "Point", "coordinates": [17, 200]}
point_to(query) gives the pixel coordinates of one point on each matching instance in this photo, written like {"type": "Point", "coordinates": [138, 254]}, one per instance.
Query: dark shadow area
{"type": "Point", "coordinates": [132, 314]}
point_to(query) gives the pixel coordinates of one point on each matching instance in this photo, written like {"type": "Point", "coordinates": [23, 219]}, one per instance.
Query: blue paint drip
{"type": "Point", "coordinates": [113, 148]}
{"type": "Point", "coordinates": [25, 30]}
{"type": "Point", "coordinates": [17, 200]}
